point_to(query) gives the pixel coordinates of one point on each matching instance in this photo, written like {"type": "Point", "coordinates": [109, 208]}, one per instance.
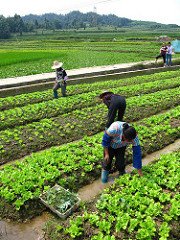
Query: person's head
{"type": "Point", "coordinates": [169, 43]}
{"type": "Point", "coordinates": [57, 65]}
{"type": "Point", "coordinates": [129, 132]}
{"type": "Point", "coordinates": [105, 94]}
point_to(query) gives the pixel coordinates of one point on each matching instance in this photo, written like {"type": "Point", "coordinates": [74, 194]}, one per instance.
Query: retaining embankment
{"type": "Point", "coordinates": [41, 82]}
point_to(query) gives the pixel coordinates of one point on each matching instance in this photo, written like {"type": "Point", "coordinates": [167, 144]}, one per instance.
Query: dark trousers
{"type": "Point", "coordinates": [57, 85]}
{"type": "Point", "coordinates": [162, 56]}
{"type": "Point", "coordinates": [121, 112]}
{"type": "Point", "coordinates": [116, 109]}
{"type": "Point", "coordinates": [119, 154]}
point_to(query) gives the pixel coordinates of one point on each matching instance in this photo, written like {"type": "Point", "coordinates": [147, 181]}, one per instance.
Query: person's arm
{"type": "Point", "coordinates": [106, 143]}
{"type": "Point", "coordinates": [106, 140]}
{"type": "Point", "coordinates": [137, 156]}
{"type": "Point", "coordinates": [106, 155]}
{"type": "Point", "coordinates": [64, 74]}
{"type": "Point", "coordinates": [107, 137]}
{"type": "Point", "coordinates": [137, 159]}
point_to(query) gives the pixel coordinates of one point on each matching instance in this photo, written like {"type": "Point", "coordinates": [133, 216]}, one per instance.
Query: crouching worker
{"type": "Point", "coordinates": [114, 142]}
{"type": "Point", "coordinates": [60, 81]}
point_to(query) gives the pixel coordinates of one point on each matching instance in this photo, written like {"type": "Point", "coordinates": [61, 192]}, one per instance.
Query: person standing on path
{"type": "Point", "coordinates": [61, 77]}
{"type": "Point", "coordinates": [169, 53]}
{"type": "Point", "coordinates": [114, 142]}
{"type": "Point", "coordinates": [116, 105]}
{"type": "Point", "coordinates": [162, 54]}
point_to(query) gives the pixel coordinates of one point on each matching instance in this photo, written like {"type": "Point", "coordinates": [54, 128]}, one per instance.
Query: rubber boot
{"type": "Point", "coordinates": [55, 93]}
{"type": "Point", "coordinates": [104, 176]}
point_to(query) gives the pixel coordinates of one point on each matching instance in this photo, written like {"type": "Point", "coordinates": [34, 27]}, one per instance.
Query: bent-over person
{"type": "Point", "coordinates": [114, 142]}
{"type": "Point", "coordinates": [116, 105]}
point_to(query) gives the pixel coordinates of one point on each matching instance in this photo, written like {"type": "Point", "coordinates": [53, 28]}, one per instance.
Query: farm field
{"type": "Point", "coordinates": [20, 126]}
{"type": "Point", "coordinates": [63, 138]}
{"type": "Point", "coordinates": [45, 141]}
{"type": "Point", "coordinates": [132, 208]}
{"type": "Point", "coordinates": [24, 61]}
{"type": "Point", "coordinates": [29, 55]}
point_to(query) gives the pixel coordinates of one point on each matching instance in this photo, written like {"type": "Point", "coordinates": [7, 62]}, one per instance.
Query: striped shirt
{"type": "Point", "coordinates": [115, 131]}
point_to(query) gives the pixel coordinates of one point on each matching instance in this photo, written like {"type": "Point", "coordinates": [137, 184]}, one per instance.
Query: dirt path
{"type": "Point", "coordinates": [71, 72]}
{"type": "Point", "coordinates": [32, 230]}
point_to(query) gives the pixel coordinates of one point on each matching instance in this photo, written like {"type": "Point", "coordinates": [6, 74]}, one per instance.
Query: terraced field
{"type": "Point", "coordinates": [63, 138]}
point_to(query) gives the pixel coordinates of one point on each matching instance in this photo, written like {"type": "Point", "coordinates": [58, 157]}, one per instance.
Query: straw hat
{"type": "Point", "coordinates": [104, 94]}
{"type": "Point", "coordinates": [56, 65]}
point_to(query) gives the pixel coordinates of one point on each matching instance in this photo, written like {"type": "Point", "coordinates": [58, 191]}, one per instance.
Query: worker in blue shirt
{"type": "Point", "coordinates": [114, 142]}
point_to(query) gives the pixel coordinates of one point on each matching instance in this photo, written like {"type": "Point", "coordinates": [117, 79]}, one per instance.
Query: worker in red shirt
{"type": "Point", "coordinates": [163, 51]}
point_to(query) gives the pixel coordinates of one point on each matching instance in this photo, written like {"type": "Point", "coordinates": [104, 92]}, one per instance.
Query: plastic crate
{"type": "Point", "coordinates": [71, 201]}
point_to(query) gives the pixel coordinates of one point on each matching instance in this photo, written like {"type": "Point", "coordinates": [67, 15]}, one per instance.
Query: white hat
{"type": "Point", "coordinates": [56, 65]}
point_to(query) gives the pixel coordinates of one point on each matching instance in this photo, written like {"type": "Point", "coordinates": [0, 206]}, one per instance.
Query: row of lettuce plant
{"type": "Point", "coordinates": [75, 164]}
{"type": "Point", "coordinates": [133, 208]}
{"type": "Point", "coordinates": [72, 126]}
{"type": "Point", "coordinates": [36, 97]}
{"type": "Point", "coordinates": [52, 108]}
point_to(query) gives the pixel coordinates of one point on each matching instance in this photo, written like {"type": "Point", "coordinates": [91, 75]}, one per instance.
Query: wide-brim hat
{"type": "Point", "coordinates": [56, 65]}
{"type": "Point", "coordinates": [104, 94]}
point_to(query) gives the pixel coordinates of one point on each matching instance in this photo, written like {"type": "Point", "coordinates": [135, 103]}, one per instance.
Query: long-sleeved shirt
{"type": "Point", "coordinates": [61, 75]}
{"type": "Point", "coordinates": [113, 137]}
{"type": "Point", "coordinates": [115, 103]}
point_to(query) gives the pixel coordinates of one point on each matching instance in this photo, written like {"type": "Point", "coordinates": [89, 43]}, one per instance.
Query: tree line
{"type": "Point", "coordinates": [72, 20]}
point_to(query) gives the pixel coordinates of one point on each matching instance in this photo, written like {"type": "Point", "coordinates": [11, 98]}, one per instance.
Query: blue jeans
{"type": "Point", "coordinates": [56, 87]}
{"type": "Point", "coordinates": [168, 59]}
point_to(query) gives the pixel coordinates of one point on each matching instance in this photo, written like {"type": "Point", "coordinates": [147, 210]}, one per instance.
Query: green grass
{"type": "Point", "coordinates": [20, 63]}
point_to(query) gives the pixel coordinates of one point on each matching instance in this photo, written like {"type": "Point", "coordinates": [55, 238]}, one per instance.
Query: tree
{"type": "Point", "coordinates": [76, 20]}
{"type": "Point", "coordinates": [19, 24]}
{"type": "Point", "coordinates": [4, 28]}
{"type": "Point", "coordinates": [36, 24]}
{"type": "Point", "coordinates": [57, 24]}
{"type": "Point", "coordinates": [29, 27]}
{"type": "Point", "coordinates": [16, 24]}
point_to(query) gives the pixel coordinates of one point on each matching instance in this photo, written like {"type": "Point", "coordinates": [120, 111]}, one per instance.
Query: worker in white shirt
{"type": "Point", "coordinates": [170, 51]}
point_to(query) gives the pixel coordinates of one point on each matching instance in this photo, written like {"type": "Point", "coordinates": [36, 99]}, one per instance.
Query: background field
{"type": "Point", "coordinates": [34, 53]}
